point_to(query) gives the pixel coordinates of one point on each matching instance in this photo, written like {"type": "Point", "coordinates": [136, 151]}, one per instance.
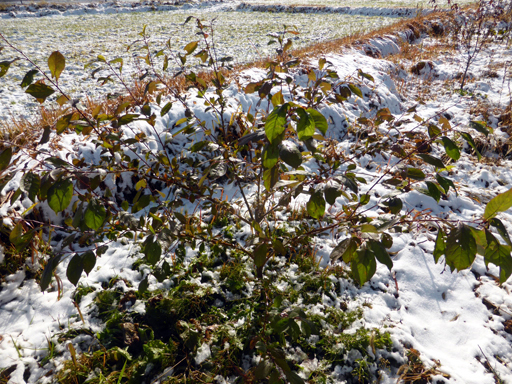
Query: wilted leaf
{"type": "Point", "coordinates": [355, 90]}
{"type": "Point", "coordinates": [191, 47]}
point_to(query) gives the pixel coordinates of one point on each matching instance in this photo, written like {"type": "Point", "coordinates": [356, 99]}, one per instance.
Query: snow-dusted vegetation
{"type": "Point", "coordinates": [334, 214]}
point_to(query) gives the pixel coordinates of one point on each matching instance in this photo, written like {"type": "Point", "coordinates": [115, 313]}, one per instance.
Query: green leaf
{"type": "Point", "coordinates": [18, 238]}
{"type": "Point", "coordinates": [316, 205]}
{"type": "Point", "coordinates": [4, 66]}
{"type": "Point", "coordinates": [451, 148]}
{"type": "Point", "coordinates": [496, 223]}
{"type": "Point", "coordinates": [293, 378]}
{"type": "Point", "coordinates": [95, 214]}
{"type": "Point", "coordinates": [59, 195]}
{"type": "Point", "coordinates": [56, 63]}
{"type": "Point", "coordinates": [433, 131]}
{"type": "Point", "coordinates": [191, 47]}
{"type": "Point", "coordinates": [152, 250]}
{"type": "Point", "coordinates": [270, 177]}
{"type": "Point", "coordinates": [167, 107]}
{"type": "Point", "coordinates": [260, 255]}
{"type": "Point", "coordinates": [499, 255]}
{"type": "Point", "coordinates": [276, 122]}
{"type": "Point", "coordinates": [395, 205]}
{"type": "Point", "coordinates": [348, 182]}
{"type": "Point", "coordinates": [89, 261]}
{"type": "Point", "coordinates": [263, 369]}
{"type": "Point", "coordinates": [319, 119]}
{"type": "Point", "coordinates": [46, 277]}
{"type": "Point", "coordinates": [143, 285]}
{"type": "Point", "coordinates": [345, 250]}
{"type": "Point", "coordinates": [386, 240]}
{"type": "Point", "coordinates": [305, 126]}
{"type": "Point", "coordinates": [440, 245]}
{"type": "Point", "coordinates": [63, 123]}
{"type": "Point", "coordinates": [500, 203]}
{"type": "Point", "coordinates": [277, 99]}
{"type": "Point", "coordinates": [415, 174]}
{"type": "Point", "coordinates": [28, 78]}
{"type": "Point", "coordinates": [433, 191]}
{"type": "Point", "coordinates": [480, 126]}
{"type": "Point", "coordinates": [5, 158]}
{"type": "Point", "coordinates": [380, 253]}
{"type": "Point", "coordinates": [363, 266]}
{"type": "Point", "coordinates": [126, 119]}
{"type": "Point", "coordinates": [431, 160]}
{"type": "Point", "coordinates": [30, 184]}
{"type": "Point", "coordinates": [355, 90]}
{"type": "Point", "coordinates": [279, 247]}
{"type": "Point", "coordinates": [332, 191]}
{"type": "Point", "coordinates": [75, 269]}
{"type": "Point", "coordinates": [472, 144]}
{"type": "Point", "coordinates": [40, 91]}
{"type": "Point", "coordinates": [290, 154]}
{"type": "Point", "coordinates": [460, 248]}
{"type": "Point", "coordinates": [270, 155]}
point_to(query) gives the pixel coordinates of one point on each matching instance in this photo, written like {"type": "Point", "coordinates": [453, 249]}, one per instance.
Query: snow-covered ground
{"type": "Point", "coordinates": [455, 320]}
{"type": "Point", "coordinates": [82, 34]}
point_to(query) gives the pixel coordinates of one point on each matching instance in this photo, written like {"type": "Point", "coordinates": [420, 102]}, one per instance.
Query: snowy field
{"type": "Point", "coordinates": [82, 37]}
{"type": "Point", "coordinates": [458, 322]}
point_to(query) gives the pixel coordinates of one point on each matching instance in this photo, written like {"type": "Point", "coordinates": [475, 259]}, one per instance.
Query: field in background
{"type": "Point", "coordinates": [81, 38]}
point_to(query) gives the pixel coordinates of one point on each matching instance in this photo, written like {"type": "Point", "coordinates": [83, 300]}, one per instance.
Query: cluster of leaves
{"type": "Point", "coordinates": [189, 318]}
{"type": "Point", "coordinates": [266, 149]}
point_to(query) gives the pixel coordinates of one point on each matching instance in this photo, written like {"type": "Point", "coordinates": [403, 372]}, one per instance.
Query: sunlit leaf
{"type": "Point", "coordinates": [451, 148]}
{"type": "Point", "coordinates": [56, 63]}
{"type": "Point", "coordinates": [95, 214]}
{"type": "Point", "coordinates": [316, 205]}
{"type": "Point", "coordinates": [460, 248]}
{"type": "Point", "coordinates": [59, 195]}
{"type": "Point", "coordinates": [500, 203]}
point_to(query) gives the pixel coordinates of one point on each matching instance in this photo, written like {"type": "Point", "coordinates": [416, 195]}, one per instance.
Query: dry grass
{"type": "Point", "coordinates": [19, 131]}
